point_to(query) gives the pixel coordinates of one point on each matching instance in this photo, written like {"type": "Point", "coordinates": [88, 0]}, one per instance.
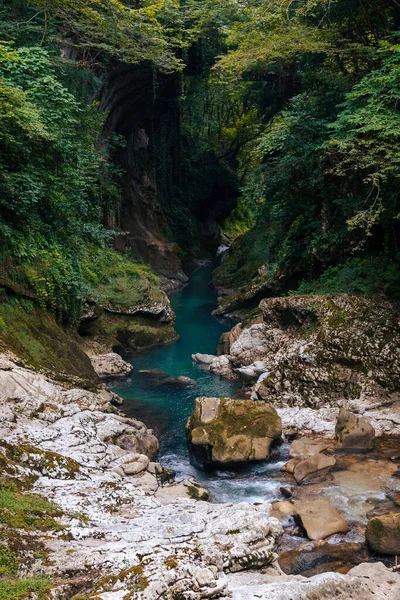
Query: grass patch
{"type": "Point", "coordinates": [26, 511]}
{"type": "Point", "coordinates": [18, 589]}
{"type": "Point", "coordinates": [115, 279]}
{"type": "Point", "coordinates": [8, 562]}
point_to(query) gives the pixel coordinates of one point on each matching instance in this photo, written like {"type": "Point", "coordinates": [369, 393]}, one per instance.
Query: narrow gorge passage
{"type": "Point", "coordinates": [166, 408]}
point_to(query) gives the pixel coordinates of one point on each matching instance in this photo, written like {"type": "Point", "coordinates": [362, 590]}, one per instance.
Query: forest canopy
{"type": "Point", "coordinates": [296, 99]}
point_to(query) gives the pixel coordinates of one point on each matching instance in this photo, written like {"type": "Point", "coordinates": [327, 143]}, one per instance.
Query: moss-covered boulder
{"type": "Point", "coordinates": [125, 307]}
{"type": "Point", "coordinates": [320, 351]}
{"type": "Point", "coordinates": [383, 534]}
{"type": "Point", "coordinates": [222, 431]}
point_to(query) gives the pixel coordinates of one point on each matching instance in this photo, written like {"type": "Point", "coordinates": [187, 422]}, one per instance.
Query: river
{"type": "Point", "coordinates": [167, 408]}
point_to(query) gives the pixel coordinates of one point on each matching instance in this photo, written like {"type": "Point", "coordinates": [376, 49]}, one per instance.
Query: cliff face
{"type": "Point", "coordinates": [164, 212]}
{"type": "Point", "coordinates": [143, 109]}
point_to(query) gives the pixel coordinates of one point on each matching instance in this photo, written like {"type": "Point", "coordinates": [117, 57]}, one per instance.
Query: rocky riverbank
{"type": "Point", "coordinates": [112, 525]}
{"type": "Point", "coordinates": [311, 355]}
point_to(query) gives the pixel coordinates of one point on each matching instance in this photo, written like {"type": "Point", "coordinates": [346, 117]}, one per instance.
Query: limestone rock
{"type": "Point", "coordinates": [319, 518]}
{"type": "Point", "coordinates": [383, 534]}
{"type": "Point", "coordinates": [203, 359]}
{"type": "Point", "coordinates": [185, 489]}
{"type": "Point", "coordinates": [223, 431]}
{"type": "Point", "coordinates": [282, 510]}
{"type": "Point", "coordinates": [142, 442]}
{"type": "Point", "coordinates": [367, 581]}
{"type": "Point", "coordinates": [315, 465]}
{"type": "Point", "coordinates": [312, 558]}
{"type": "Point", "coordinates": [73, 453]}
{"type": "Point", "coordinates": [325, 352]}
{"type": "Point", "coordinates": [110, 365]}
{"type": "Point", "coordinates": [305, 447]}
{"type": "Point", "coordinates": [354, 432]}
{"type": "Point", "coordinates": [228, 338]}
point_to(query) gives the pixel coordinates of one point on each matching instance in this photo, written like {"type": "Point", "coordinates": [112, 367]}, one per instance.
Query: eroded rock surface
{"type": "Point", "coordinates": [110, 365]}
{"type": "Point", "coordinates": [224, 431]}
{"type": "Point", "coordinates": [125, 532]}
{"type": "Point", "coordinates": [364, 582]}
{"type": "Point", "coordinates": [310, 355]}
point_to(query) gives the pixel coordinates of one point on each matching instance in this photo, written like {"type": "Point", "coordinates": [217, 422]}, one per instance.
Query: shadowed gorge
{"type": "Point", "coordinates": [199, 299]}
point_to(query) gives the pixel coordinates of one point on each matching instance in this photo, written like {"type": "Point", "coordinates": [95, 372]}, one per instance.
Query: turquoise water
{"type": "Point", "coordinates": [167, 408]}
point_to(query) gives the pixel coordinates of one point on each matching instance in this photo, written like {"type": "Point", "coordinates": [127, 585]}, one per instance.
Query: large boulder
{"type": "Point", "coordinates": [319, 518]}
{"type": "Point", "coordinates": [305, 447]}
{"type": "Point", "coordinates": [110, 365]}
{"type": "Point", "coordinates": [383, 534]}
{"type": "Point", "coordinates": [354, 432]}
{"type": "Point", "coordinates": [222, 431]}
{"type": "Point", "coordinates": [313, 466]}
{"type": "Point", "coordinates": [312, 558]}
{"type": "Point", "coordinates": [323, 351]}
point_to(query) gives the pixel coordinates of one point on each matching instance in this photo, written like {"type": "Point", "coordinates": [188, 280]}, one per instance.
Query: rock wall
{"type": "Point", "coordinates": [310, 355]}
{"type": "Point", "coordinates": [144, 109]}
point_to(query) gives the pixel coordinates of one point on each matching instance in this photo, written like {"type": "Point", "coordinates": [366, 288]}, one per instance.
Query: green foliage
{"type": "Point", "coordinates": [22, 588]}
{"type": "Point", "coordinates": [26, 511]}
{"type": "Point", "coordinates": [54, 176]}
{"type": "Point", "coordinates": [114, 279]}
{"type": "Point", "coordinates": [324, 177]}
{"type": "Point", "coordinates": [8, 561]}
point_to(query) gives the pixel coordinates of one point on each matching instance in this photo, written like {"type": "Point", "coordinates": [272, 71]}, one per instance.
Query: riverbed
{"type": "Point", "coordinates": [353, 490]}
{"type": "Point", "coordinates": [166, 408]}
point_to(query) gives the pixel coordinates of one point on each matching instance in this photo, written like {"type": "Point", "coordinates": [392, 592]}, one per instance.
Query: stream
{"type": "Point", "coordinates": [166, 408]}
{"type": "Point", "coordinates": [354, 487]}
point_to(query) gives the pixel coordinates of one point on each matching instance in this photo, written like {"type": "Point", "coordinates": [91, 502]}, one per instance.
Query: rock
{"type": "Point", "coordinates": [319, 518]}
{"type": "Point", "coordinates": [383, 534]}
{"type": "Point", "coordinates": [316, 465]}
{"type": "Point", "coordinates": [325, 352]}
{"type": "Point", "coordinates": [367, 581]}
{"type": "Point", "coordinates": [143, 442]}
{"type": "Point", "coordinates": [135, 463]}
{"type": "Point", "coordinates": [383, 507]}
{"type": "Point", "coordinates": [181, 382]}
{"type": "Point", "coordinates": [110, 365]}
{"type": "Point", "coordinates": [354, 432]}
{"type": "Point", "coordinates": [222, 431]}
{"type": "Point", "coordinates": [312, 558]}
{"type": "Point", "coordinates": [305, 447]}
{"type": "Point", "coordinates": [185, 489]}
{"type": "Point", "coordinates": [247, 374]}
{"type": "Point", "coordinates": [221, 365]}
{"type": "Point", "coordinates": [289, 467]}
{"type": "Point", "coordinates": [282, 510]}
{"type": "Point", "coordinates": [286, 491]}
{"type": "Point", "coordinates": [154, 373]}
{"type": "Point", "coordinates": [227, 339]}
{"type": "Point", "coordinates": [203, 359]}
{"type": "Point", "coordinates": [72, 454]}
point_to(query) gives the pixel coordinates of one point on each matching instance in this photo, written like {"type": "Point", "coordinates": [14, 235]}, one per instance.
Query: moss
{"type": "Point", "coordinates": [8, 562]}
{"type": "Point", "coordinates": [133, 576]}
{"type": "Point", "coordinates": [126, 331]}
{"type": "Point", "coordinates": [171, 562]}
{"type": "Point", "coordinates": [44, 345]}
{"type": "Point", "coordinates": [22, 588]}
{"type": "Point", "coordinates": [44, 461]}
{"type": "Point", "coordinates": [197, 493]}
{"type": "Point", "coordinates": [26, 511]}
{"type": "Point", "coordinates": [116, 280]}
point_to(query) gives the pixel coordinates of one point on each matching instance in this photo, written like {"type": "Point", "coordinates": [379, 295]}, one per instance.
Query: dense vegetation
{"type": "Point", "coordinates": [325, 176]}
{"type": "Point", "coordinates": [294, 102]}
